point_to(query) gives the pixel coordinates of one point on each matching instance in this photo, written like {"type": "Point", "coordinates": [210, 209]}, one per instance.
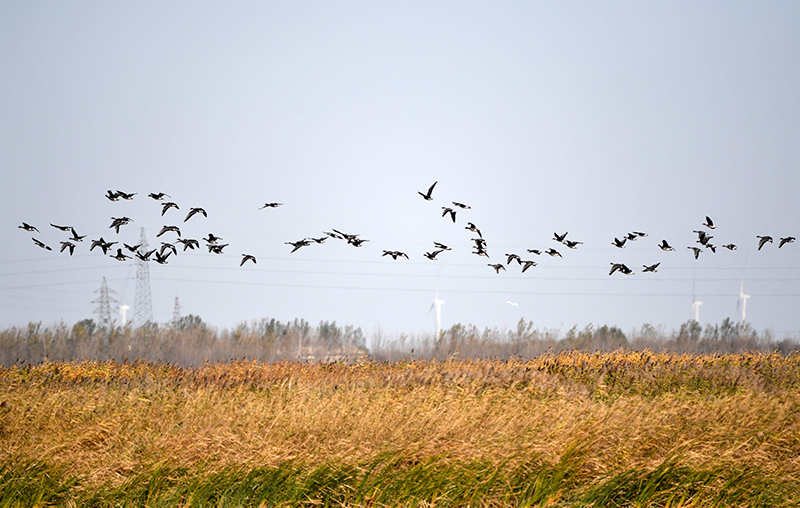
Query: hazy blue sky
{"type": "Point", "coordinates": [596, 118]}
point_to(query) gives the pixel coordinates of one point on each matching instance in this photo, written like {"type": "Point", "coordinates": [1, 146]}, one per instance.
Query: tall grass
{"type": "Point", "coordinates": [573, 429]}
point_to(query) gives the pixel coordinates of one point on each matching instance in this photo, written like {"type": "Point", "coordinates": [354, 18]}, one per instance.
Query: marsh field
{"type": "Point", "coordinates": [569, 429]}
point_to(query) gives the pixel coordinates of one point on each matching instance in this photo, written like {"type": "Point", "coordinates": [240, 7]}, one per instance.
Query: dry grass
{"type": "Point", "coordinates": [620, 411]}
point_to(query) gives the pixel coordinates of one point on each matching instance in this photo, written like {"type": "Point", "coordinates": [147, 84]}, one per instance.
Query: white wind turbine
{"type": "Point", "coordinates": [437, 305]}
{"type": "Point", "coordinates": [743, 299]}
{"type": "Point", "coordinates": [696, 310]}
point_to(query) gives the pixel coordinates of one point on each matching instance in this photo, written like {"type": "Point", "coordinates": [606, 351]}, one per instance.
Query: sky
{"type": "Point", "coordinates": [592, 118]}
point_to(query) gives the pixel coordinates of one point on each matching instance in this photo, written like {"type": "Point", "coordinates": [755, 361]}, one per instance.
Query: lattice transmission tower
{"type": "Point", "coordinates": [104, 302]}
{"type": "Point", "coordinates": [176, 312]}
{"type": "Point", "coordinates": [142, 303]}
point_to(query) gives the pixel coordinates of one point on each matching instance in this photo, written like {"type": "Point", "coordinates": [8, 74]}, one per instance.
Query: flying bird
{"type": "Point", "coordinates": [730, 246]}
{"type": "Point", "coordinates": [528, 264]}
{"type": "Point", "coordinates": [162, 259]}
{"type": "Point", "coordinates": [560, 238]}
{"type": "Point", "coordinates": [651, 268]}
{"type": "Point", "coordinates": [665, 246]}
{"type": "Point", "coordinates": [169, 204]}
{"type": "Point", "coordinates": [117, 222]}
{"type": "Point", "coordinates": [247, 257]}
{"type": "Point", "coordinates": [621, 267]}
{"type": "Point", "coordinates": [762, 240]}
{"type": "Point", "coordinates": [168, 246]}
{"type": "Point", "coordinates": [450, 211]}
{"type": "Point", "coordinates": [394, 253]}
{"type": "Point", "coordinates": [104, 245]}
{"type": "Point", "coordinates": [319, 240]}
{"type": "Point", "coordinates": [212, 239]}
{"type": "Point", "coordinates": [68, 245]}
{"type": "Point", "coordinates": [188, 243]}
{"type": "Point", "coordinates": [535, 251]}
{"type": "Point", "coordinates": [300, 243]}
{"type": "Point", "coordinates": [513, 257]}
{"type": "Point", "coordinates": [696, 251]}
{"type": "Point", "coordinates": [270, 205]}
{"type": "Point", "coordinates": [572, 244]}
{"type": "Point", "coordinates": [27, 227]}
{"type": "Point", "coordinates": [619, 243]}
{"type": "Point", "coordinates": [784, 241]}
{"type": "Point", "coordinates": [75, 236]}
{"type": "Point", "coordinates": [166, 229]}
{"type": "Point", "coordinates": [158, 196]}
{"type": "Point", "coordinates": [193, 212]}
{"type": "Point", "coordinates": [461, 205]}
{"type": "Point", "coordinates": [709, 223]}
{"type": "Point", "coordinates": [145, 256]}
{"type": "Point", "coordinates": [111, 195]}
{"type": "Point", "coordinates": [132, 248]}
{"type": "Point", "coordinates": [216, 249]}
{"type": "Point", "coordinates": [553, 253]}
{"type": "Point", "coordinates": [441, 246]}
{"type": "Point", "coordinates": [62, 228]}
{"type": "Point", "coordinates": [40, 244]}
{"type": "Point", "coordinates": [125, 195]}
{"type": "Point", "coordinates": [427, 196]}
{"type": "Point", "coordinates": [497, 267]}
{"type": "Point", "coordinates": [472, 227]}
{"type": "Point", "coordinates": [432, 255]}
{"type": "Point", "coordinates": [120, 256]}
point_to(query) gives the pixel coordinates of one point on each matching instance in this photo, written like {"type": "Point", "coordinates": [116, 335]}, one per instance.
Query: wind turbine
{"type": "Point", "coordinates": [437, 304]}
{"type": "Point", "coordinates": [743, 299]}
{"type": "Point", "coordinates": [123, 313]}
{"type": "Point", "coordinates": [696, 310]}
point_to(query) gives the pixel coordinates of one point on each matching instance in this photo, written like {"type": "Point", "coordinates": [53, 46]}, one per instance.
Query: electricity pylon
{"type": "Point", "coordinates": [142, 303]}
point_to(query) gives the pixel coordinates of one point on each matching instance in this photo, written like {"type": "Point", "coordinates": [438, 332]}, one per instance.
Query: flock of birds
{"type": "Point", "coordinates": [213, 243]}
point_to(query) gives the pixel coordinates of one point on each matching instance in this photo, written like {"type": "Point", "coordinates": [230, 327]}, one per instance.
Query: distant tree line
{"type": "Point", "coordinates": [190, 341]}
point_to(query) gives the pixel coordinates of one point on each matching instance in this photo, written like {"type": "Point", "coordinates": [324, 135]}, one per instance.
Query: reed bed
{"type": "Point", "coordinates": [572, 429]}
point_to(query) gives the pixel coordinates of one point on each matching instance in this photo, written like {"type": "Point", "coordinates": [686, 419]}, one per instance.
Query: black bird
{"type": "Point", "coordinates": [111, 195]}
{"type": "Point", "coordinates": [665, 246]}
{"type": "Point", "coordinates": [560, 238]}
{"type": "Point", "coordinates": [247, 257]}
{"type": "Point", "coordinates": [120, 256]}
{"type": "Point", "coordinates": [27, 227]}
{"type": "Point", "coordinates": [479, 242]}
{"type": "Point", "coordinates": [430, 190]}
{"type": "Point", "coordinates": [497, 267]}
{"type": "Point", "coordinates": [40, 244]}
{"type": "Point", "coordinates": [158, 196]}
{"type": "Point", "coordinates": [619, 243]}
{"type": "Point", "coordinates": [270, 205]}
{"type": "Point", "coordinates": [356, 242]}
{"type": "Point", "coordinates": [132, 248]}
{"type": "Point", "coordinates": [212, 239]}
{"type": "Point", "coordinates": [188, 243]}
{"type": "Point", "coordinates": [480, 250]}
{"type": "Point", "coordinates": [639, 233]}
{"type": "Point", "coordinates": [104, 245]}
{"type": "Point", "coordinates": [395, 254]}
{"type": "Point", "coordinates": [553, 252]}
{"type": "Point", "coordinates": [651, 268]}
{"type": "Point", "coordinates": [345, 236]}
{"type": "Point", "coordinates": [319, 240]}
{"type": "Point", "coordinates": [169, 204]}
{"type": "Point", "coordinates": [441, 246]}
{"type": "Point", "coordinates": [472, 227]}
{"type": "Point", "coordinates": [334, 235]}
{"type": "Point", "coordinates": [513, 257]}
{"type": "Point", "coordinates": [75, 236]}
{"type": "Point", "coordinates": [119, 221]}
{"type": "Point", "coordinates": [432, 255]}
{"type": "Point", "coordinates": [712, 247]}
{"type": "Point", "coordinates": [696, 251]}
{"type": "Point", "coordinates": [461, 205]}
{"type": "Point", "coordinates": [193, 211]}
{"type": "Point", "coordinates": [68, 245]}
{"type": "Point", "coordinates": [125, 195]}
{"type": "Point", "coordinates": [168, 246]}
{"type": "Point", "coordinates": [162, 259]}
{"type": "Point", "coordinates": [621, 267]}
{"type": "Point", "coordinates": [166, 229]}
{"type": "Point", "coordinates": [450, 211]}
{"type": "Point", "coordinates": [62, 228]}
{"type": "Point", "coordinates": [300, 243]}
{"type": "Point", "coordinates": [762, 240]}
{"type": "Point", "coordinates": [709, 223]}
{"type": "Point", "coordinates": [216, 249]}
{"type": "Point", "coordinates": [784, 241]}
{"type": "Point", "coordinates": [702, 237]}
{"type": "Point", "coordinates": [145, 256]}
{"type": "Point", "coordinates": [535, 251]}
{"type": "Point", "coordinates": [571, 244]}
{"type": "Point", "coordinates": [632, 237]}
{"type": "Point", "coordinates": [528, 264]}
{"type": "Point", "coordinates": [730, 246]}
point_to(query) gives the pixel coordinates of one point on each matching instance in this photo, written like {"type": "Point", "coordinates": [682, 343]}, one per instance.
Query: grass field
{"type": "Point", "coordinates": [574, 429]}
